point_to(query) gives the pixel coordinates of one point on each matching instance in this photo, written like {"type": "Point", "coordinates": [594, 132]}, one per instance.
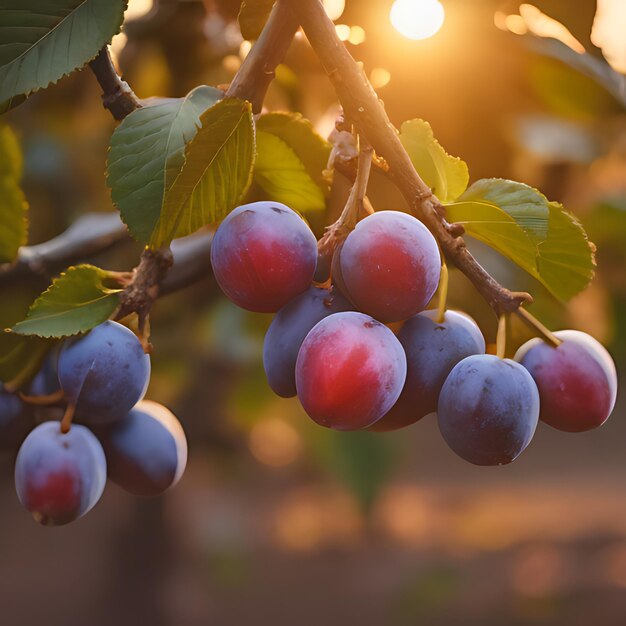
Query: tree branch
{"type": "Point", "coordinates": [365, 110]}
{"type": "Point", "coordinates": [90, 234]}
{"type": "Point", "coordinates": [189, 258]}
{"type": "Point", "coordinates": [259, 67]}
{"type": "Point", "coordinates": [117, 96]}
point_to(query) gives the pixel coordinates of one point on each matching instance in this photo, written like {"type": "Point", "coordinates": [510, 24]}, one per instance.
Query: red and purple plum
{"type": "Point", "coordinates": [577, 380]}
{"type": "Point", "coordinates": [350, 371]}
{"type": "Point", "coordinates": [263, 255]}
{"type": "Point", "coordinates": [488, 409]}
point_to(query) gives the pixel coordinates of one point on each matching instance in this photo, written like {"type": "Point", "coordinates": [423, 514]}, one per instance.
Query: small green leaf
{"type": "Point", "coordinates": [147, 153]}
{"type": "Point", "coordinates": [539, 236]}
{"type": "Point", "coordinates": [76, 301]}
{"type": "Point", "coordinates": [13, 204]}
{"type": "Point", "coordinates": [252, 17]}
{"type": "Point", "coordinates": [216, 174]}
{"type": "Point", "coordinates": [281, 174]}
{"type": "Point", "coordinates": [42, 41]}
{"type": "Point", "coordinates": [446, 175]}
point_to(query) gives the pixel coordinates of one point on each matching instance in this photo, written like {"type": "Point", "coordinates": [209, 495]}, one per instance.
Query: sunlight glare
{"type": "Point", "coordinates": [417, 19]}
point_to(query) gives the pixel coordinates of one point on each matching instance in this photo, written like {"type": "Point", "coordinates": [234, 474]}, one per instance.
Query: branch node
{"type": "Point", "coordinates": [140, 295]}
{"type": "Point", "coordinates": [117, 96]}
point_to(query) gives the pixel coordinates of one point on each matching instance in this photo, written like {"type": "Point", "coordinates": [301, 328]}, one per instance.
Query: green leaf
{"type": "Point", "coordinates": [491, 225]}
{"type": "Point", "coordinates": [13, 204]}
{"type": "Point", "coordinates": [42, 41]}
{"type": "Point", "coordinates": [525, 205]}
{"type": "Point", "coordinates": [568, 92]}
{"type": "Point", "coordinates": [566, 259]}
{"type": "Point", "coordinates": [538, 235]}
{"type": "Point", "coordinates": [297, 132]}
{"type": "Point", "coordinates": [77, 300]}
{"type": "Point", "coordinates": [446, 175]}
{"type": "Point", "coordinates": [281, 174]}
{"type": "Point", "coordinates": [147, 153]}
{"type": "Point", "coordinates": [216, 174]}
{"type": "Point", "coordinates": [252, 17]}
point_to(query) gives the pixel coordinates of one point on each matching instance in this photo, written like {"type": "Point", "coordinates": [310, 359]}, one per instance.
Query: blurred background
{"type": "Point", "coordinates": [278, 521]}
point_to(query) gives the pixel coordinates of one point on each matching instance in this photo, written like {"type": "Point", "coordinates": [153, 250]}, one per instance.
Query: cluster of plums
{"type": "Point", "coordinates": [140, 445]}
{"type": "Point", "coordinates": [331, 346]}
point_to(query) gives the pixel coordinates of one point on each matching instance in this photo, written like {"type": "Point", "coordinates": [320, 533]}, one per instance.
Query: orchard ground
{"type": "Point", "coordinates": [541, 541]}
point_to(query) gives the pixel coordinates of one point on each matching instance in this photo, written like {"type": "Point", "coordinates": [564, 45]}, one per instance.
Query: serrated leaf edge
{"type": "Point", "coordinates": [60, 277]}
{"type": "Point", "coordinates": [76, 69]}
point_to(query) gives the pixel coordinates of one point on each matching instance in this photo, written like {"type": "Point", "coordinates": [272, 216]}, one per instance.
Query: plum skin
{"type": "Point", "coordinates": [488, 409]}
{"type": "Point", "coordinates": [59, 477]}
{"type": "Point", "coordinates": [104, 373]}
{"type": "Point", "coordinates": [389, 266]}
{"type": "Point", "coordinates": [263, 255]}
{"type": "Point", "coordinates": [146, 451]}
{"type": "Point", "coordinates": [350, 371]}
{"type": "Point", "coordinates": [432, 349]}
{"type": "Point", "coordinates": [289, 329]}
{"type": "Point", "coordinates": [577, 380]}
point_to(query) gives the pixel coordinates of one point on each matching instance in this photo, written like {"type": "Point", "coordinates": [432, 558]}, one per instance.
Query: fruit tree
{"type": "Point", "coordinates": [214, 181]}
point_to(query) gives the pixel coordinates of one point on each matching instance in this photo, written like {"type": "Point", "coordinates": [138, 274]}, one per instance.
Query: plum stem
{"type": "Point", "coordinates": [68, 416]}
{"type": "Point", "coordinates": [543, 331]}
{"type": "Point", "coordinates": [43, 400]}
{"type": "Point", "coordinates": [356, 205]}
{"type": "Point", "coordinates": [501, 336]}
{"type": "Point", "coordinates": [443, 293]}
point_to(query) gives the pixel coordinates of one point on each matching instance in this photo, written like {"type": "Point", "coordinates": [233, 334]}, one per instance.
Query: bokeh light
{"type": "Point", "coordinates": [275, 442]}
{"type": "Point", "coordinates": [417, 19]}
{"type": "Point", "coordinates": [379, 77]}
{"type": "Point", "coordinates": [343, 31]}
{"type": "Point", "coordinates": [244, 48]}
{"type": "Point", "coordinates": [357, 35]}
{"type": "Point", "coordinates": [334, 8]}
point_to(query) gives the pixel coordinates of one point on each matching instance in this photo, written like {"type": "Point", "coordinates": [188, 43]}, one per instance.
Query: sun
{"type": "Point", "coordinates": [417, 19]}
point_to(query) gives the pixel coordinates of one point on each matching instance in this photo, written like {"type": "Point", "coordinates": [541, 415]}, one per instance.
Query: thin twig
{"type": "Point", "coordinates": [355, 206]}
